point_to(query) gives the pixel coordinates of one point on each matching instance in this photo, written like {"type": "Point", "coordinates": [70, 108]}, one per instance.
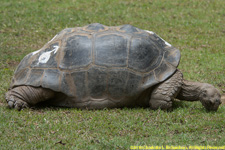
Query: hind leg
{"type": "Point", "coordinates": [163, 94]}
{"type": "Point", "coordinates": [25, 96]}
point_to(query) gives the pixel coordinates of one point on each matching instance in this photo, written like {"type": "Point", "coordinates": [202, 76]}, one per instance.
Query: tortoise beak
{"type": "Point", "coordinates": [213, 106]}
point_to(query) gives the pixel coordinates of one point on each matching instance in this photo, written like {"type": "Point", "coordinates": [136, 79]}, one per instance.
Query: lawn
{"type": "Point", "coordinates": [196, 27]}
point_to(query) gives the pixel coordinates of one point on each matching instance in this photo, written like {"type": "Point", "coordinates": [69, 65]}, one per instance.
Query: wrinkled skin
{"type": "Point", "coordinates": [161, 96]}
{"type": "Point", "coordinates": [210, 97]}
{"type": "Point", "coordinates": [27, 96]}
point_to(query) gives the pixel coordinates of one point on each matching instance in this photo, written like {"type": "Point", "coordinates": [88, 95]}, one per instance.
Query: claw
{"type": "Point", "coordinates": [17, 107]}
{"type": "Point", "coordinates": [14, 102]}
{"type": "Point", "coordinates": [11, 104]}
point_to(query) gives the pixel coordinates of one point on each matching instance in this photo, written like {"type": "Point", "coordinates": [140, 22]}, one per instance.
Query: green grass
{"type": "Point", "coordinates": [195, 27]}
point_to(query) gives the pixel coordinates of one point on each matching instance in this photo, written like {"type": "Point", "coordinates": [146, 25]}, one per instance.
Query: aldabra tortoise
{"type": "Point", "coordinates": [97, 67]}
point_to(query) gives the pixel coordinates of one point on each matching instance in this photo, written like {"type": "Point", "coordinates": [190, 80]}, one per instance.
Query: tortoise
{"type": "Point", "coordinates": [97, 66]}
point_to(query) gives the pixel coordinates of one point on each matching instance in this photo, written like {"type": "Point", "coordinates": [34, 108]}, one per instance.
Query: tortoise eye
{"type": "Point", "coordinates": [218, 101]}
{"type": "Point", "coordinates": [210, 103]}
{"type": "Point", "coordinates": [204, 95]}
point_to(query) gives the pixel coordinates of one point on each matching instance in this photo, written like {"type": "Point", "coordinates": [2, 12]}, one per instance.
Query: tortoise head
{"type": "Point", "coordinates": [210, 97]}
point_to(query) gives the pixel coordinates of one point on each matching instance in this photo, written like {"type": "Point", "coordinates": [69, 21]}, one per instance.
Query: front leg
{"type": "Point", "coordinates": [25, 96]}
{"type": "Point", "coordinates": [163, 94]}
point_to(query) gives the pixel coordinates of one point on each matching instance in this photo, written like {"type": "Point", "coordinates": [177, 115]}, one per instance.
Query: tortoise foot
{"type": "Point", "coordinates": [14, 102]}
{"type": "Point", "coordinates": [161, 104]}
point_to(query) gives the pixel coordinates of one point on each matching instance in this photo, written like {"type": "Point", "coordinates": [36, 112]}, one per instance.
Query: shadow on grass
{"type": "Point", "coordinates": [176, 106]}
{"type": "Point", "coordinates": [192, 107]}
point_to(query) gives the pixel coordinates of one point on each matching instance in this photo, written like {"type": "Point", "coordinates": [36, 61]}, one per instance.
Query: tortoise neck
{"type": "Point", "coordinates": [190, 91]}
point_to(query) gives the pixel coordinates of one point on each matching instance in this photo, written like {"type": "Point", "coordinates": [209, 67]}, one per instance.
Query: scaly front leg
{"type": "Point", "coordinates": [163, 94]}
{"type": "Point", "coordinates": [25, 96]}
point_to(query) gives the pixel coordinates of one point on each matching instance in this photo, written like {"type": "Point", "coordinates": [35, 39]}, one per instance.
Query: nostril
{"type": "Point", "coordinates": [218, 101]}
{"type": "Point", "coordinates": [210, 103]}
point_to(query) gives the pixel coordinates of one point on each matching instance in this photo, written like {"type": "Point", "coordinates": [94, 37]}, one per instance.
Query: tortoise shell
{"type": "Point", "coordinates": [97, 62]}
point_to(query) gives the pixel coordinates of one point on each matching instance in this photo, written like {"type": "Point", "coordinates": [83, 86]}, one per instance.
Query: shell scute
{"type": "Point", "coordinates": [97, 82]}
{"type": "Point", "coordinates": [35, 77]}
{"type": "Point", "coordinates": [111, 50]}
{"type": "Point", "coordinates": [144, 55]}
{"type": "Point", "coordinates": [129, 28]}
{"type": "Point", "coordinates": [51, 79]}
{"type": "Point", "coordinates": [46, 58]}
{"type": "Point", "coordinates": [77, 52]}
{"type": "Point", "coordinates": [95, 27]}
{"type": "Point", "coordinates": [117, 80]}
{"type": "Point", "coordinates": [80, 83]}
